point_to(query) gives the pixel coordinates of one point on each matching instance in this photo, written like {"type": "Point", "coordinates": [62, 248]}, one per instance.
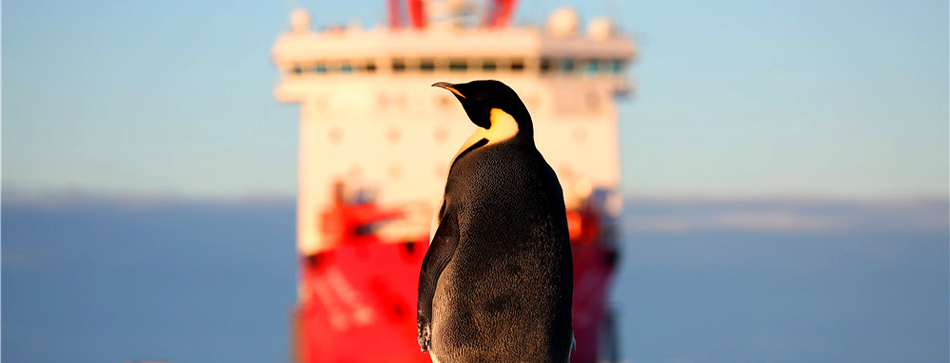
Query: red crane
{"type": "Point", "coordinates": [497, 15]}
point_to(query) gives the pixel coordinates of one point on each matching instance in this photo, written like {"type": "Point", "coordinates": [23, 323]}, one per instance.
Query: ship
{"type": "Point", "coordinates": [375, 143]}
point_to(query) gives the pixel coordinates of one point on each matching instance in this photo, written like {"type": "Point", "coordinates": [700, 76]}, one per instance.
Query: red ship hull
{"type": "Point", "coordinates": [358, 299]}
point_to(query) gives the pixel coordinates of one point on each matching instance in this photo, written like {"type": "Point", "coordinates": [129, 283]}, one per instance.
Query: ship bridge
{"type": "Point", "coordinates": [376, 142]}
{"type": "Point", "coordinates": [370, 120]}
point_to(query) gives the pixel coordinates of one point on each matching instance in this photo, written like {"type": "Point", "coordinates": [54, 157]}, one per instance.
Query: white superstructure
{"type": "Point", "coordinates": [370, 119]}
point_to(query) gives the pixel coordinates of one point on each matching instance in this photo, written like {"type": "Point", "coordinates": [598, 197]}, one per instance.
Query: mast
{"type": "Point", "coordinates": [395, 14]}
{"type": "Point", "coordinates": [499, 13]}
{"type": "Point", "coordinates": [417, 17]}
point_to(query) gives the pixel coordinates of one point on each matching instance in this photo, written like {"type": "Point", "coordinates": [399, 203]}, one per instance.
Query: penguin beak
{"type": "Point", "coordinates": [450, 87]}
{"type": "Point", "coordinates": [473, 108]}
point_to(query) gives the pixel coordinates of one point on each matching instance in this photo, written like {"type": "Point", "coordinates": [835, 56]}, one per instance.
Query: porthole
{"type": "Point", "coordinates": [440, 171]}
{"type": "Point", "coordinates": [580, 135]}
{"type": "Point", "coordinates": [441, 134]}
{"type": "Point", "coordinates": [393, 135]}
{"type": "Point", "coordinates": [593, 101]}
{"type": "Point", "coordinates": [444, 101]}
{"type": "Point", "coordinates": [335, 135]}
{"type": "Point", "coordinates": [356, 171]}
{"type": "Point", "coordinates": [395, 171]}
{"type": "Point", "coordinates": [532, 100]}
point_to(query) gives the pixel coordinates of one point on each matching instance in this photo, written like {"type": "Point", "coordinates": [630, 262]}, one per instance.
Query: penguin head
{"type": "Point", "coordinates": [492, 105]}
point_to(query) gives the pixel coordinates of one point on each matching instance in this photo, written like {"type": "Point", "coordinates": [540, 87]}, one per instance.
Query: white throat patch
{"type": "Point", "coordinates": [503, 127]}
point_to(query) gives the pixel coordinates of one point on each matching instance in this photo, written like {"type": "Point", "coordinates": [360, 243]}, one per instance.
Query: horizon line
{"type": "Point", "coordinates": [74, 195]}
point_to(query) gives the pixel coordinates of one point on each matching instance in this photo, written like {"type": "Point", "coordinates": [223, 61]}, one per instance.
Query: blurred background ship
{"type": "Point", "coordinates": [786, 174]}
{"type": "Point", "coordinates": [376, 142]}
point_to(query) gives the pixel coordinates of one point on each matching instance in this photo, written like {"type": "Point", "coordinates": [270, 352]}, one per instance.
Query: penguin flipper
{"type": "Point", "coordinates": [441, 250]}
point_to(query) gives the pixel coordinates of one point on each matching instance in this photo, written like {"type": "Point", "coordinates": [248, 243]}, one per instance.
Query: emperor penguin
{"type": "Point", "coordinates": [497, 280]}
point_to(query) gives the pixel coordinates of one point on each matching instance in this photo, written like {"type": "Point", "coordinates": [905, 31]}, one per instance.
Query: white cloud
{"type": "Point", "coordinates": [677, 216]}
{"type": "Point", "coordinates": [777, 221]}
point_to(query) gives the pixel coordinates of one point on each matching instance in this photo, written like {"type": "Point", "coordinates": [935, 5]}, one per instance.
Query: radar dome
{"type": "Point", "coordinates": [599, 29]}
{"type": "Point", "coordinates": [300, 20]}
{"type": "Point", "coordinates": [563, 22]}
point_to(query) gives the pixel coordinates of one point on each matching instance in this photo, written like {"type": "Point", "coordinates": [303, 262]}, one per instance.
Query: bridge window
{"type": "Point", "coordinates": [427, 65]}
{"type": "Point", "coordinates": [592, 66]}
{"type": "Point", "coordinates": [517, 65]}
{"type": "Point", "coordinates": [458, 65]}
{"type": "Point", "coordinates": [545, 65]}
{"type": "Point", "coordinates": [567, 65]}
{"type": "Point", "coordinates": [616, 66]}
{"type": "Point", "coordinates": [399, 65]}
{"type": "Point", "coordinates": [587, 66]}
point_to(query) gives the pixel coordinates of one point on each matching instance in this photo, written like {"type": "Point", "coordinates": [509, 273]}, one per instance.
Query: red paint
{"type": "Point", "coordinates": [395, 14]}
{"type": "Point", "coordinates": [360, 296]}
{"type": "Point", "coordinates": [417, 16]}
{"type": "Point", "coordinates": [498, 13]}
{"type": "Point", "coordinates": [503, 11]}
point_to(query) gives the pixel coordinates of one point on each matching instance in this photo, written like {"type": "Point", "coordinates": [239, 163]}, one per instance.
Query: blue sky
{"type": "Point", "coordinates": [843, 99]}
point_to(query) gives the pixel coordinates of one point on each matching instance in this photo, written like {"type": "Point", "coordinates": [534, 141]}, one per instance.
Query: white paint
{"type": "Point", "coordinates": [345, 118]}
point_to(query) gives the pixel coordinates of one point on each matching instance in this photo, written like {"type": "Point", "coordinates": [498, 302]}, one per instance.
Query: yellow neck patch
{"type": "Point", "coordinates": [503, 127]}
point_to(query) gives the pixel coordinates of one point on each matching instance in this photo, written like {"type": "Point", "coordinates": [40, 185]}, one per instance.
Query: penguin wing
{"type": "Point", "coordinates": [441, 250]}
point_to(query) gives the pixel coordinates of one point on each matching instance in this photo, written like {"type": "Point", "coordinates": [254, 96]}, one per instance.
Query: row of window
{"type": "Point", "coordinates": [402, 65]}
{"type": "Point", "coordinates": [584, 102]}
